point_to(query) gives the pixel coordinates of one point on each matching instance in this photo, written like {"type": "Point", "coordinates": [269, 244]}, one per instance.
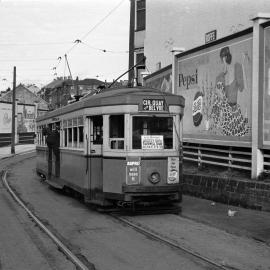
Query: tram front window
{"type": "Point", "coordinates": [152, 125]}
{"type": "Point", "coordinates": [117, 131]}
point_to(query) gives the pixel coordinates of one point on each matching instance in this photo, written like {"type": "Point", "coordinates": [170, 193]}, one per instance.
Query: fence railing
{"type": "Point", "coordinates": [227, 156]}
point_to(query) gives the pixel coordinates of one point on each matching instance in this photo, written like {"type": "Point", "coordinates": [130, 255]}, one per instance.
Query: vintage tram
{"type": "Point", "coordinates": [118, 147]}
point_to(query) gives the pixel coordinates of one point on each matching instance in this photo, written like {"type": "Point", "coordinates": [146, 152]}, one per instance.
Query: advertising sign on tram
{"type": "Point", "coordinates": [133, 171]}
{"type": "Point", "coordinates": [173, 166]}
{"type": "Point", "coordinates": [153, 142]}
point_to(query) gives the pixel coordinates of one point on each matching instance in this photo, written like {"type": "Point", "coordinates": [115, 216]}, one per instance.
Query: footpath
{"type": "Point", "coordinates": [5, 152]}
{"type": "Point", "coordinates": [235, 220]}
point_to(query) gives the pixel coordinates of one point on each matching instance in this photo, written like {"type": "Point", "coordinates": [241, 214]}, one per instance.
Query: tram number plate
{"type": "Point", "coordinates": [133, 171]}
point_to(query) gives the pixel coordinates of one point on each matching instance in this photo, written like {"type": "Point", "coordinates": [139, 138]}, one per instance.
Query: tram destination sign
{"type": "Point", "coordinates": [151, 105]}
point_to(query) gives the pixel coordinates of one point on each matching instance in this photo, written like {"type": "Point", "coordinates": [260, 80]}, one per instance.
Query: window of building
{"type": "Point", "coordinates": [140, 15]}
{"type": "Point", "coordinates": [146, 125]}
{"type": "Point", "coordinates": [117, 131]}
{"type": "Point", "coordinates": [140, 68]}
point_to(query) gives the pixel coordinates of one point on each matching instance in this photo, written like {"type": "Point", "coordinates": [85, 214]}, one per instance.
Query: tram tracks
{"type": "Point", "coordinates": [80, 264]}
{"type": "Point", "coordinates": [70, 255]}
{"type": "Point", "coordinates": [147, 232]}
{"type": "Point", "coordinates": [156, 236]}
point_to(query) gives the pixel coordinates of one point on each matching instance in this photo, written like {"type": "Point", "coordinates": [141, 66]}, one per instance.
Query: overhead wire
{"type": "Point", "coordinates": [75, 43]}
{"type": "Point", "coordinates": [34, 44]}
{"type": "Point", "coordinates": [102, 50]}
{"type": "Point", "coordinates": [78, 41]}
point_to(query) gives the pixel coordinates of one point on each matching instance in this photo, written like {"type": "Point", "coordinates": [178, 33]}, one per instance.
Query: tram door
{"type": "Point", "coordinates": [53, 143]}
{"type": "Point", "coordinates": [95, 156]}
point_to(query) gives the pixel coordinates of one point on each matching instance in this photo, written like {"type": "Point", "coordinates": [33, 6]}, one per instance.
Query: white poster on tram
{"type": "Point", "coordinates": [152, 142]}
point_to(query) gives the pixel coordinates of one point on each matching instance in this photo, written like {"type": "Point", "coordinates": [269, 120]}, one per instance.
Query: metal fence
{"type": "Point", "coordinates": [226, 156]}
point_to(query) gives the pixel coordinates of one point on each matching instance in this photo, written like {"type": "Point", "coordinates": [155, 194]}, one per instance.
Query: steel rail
{"type": "Point", "coordinates": [170, 243]}
{"type": "Point", "coordinates": [62, 247]}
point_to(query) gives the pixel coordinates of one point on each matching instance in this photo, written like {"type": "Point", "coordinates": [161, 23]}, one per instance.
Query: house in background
{"type": "Point", "coordinates": [33, 88]}
{"type": "Point", "coordinates": [61, 91]}
{"type": "Point", "coordinates": [28, 107]}
{"type": "Point", "coordinates": [25, 96]}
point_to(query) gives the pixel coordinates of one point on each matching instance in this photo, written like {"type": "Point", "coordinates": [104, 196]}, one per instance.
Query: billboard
{"type": "Point", "coordinates": [216, 83]}
{"type": "Point", "coordinates": [25, 118]}
{"type": "Point", "coordinates": [5, 117]}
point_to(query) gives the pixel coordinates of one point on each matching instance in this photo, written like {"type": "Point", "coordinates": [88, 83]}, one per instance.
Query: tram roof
{"type": "Point", "coordinates": [117, 96]}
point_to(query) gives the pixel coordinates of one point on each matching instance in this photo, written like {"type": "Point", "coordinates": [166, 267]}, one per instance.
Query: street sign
{"type": "Point", "coordinates": [210, 36]}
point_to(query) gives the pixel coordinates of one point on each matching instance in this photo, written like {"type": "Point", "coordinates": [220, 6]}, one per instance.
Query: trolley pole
{"type": "Point", "coordinates": [13, 129]}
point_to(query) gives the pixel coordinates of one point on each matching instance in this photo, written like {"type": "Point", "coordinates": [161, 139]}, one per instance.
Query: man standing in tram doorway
{"type": "Point", "coordinates": [53, 143]}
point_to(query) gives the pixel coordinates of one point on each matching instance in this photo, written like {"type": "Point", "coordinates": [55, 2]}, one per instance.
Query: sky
{"type": "Point", "coordinates": [35, 36]}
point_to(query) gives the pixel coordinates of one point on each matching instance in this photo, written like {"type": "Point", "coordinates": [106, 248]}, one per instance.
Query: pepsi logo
{"type": "Point", "coordinates": [197, 107]}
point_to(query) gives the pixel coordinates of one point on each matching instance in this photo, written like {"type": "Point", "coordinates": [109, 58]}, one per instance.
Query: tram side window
{"type": "Point", "coordinates": [80, 129]}
{"type": "Point", "coordinates": [80, 132]}
{"type": "Point", "coordinates": [64, 133]}
{"type": "Point", "coordinates": [65, 137]}
{"type": "Point", "coordinates": [73, 132]}
{"type": "Point", "coordinates": [69, 137]}
{"type": "Point", "coordinates": [162, 126]}
{"type": "Point", "coordinates": [75, 136]}
{"type": "Point", "coordinates": [97, 129]}
{"type": "Point", "coordinates": [117, 131]}
{"type": "Point", "coordinates": [39, 135]}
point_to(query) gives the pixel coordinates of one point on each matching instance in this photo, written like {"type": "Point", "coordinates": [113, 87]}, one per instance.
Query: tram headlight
{"type": "Point", "coordinates": [154, 177]}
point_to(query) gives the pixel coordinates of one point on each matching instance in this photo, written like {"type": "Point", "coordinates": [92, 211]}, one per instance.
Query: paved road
{"type": "Point", "coordinates": [97, 238]}
{"type": "Point", "coordinates": [19, 149]}
{"type": "Point", "coordinates": [109, 245]}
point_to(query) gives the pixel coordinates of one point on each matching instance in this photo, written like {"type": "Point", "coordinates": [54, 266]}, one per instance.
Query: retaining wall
{"type": "Point", "coordinates": [229, 190]}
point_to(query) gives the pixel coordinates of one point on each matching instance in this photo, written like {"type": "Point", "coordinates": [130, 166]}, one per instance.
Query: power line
{"type": "Point", "coordinates": [78, 41]}
{"type": "Point", "coordinates": [34, 44]}
{"type": "Point", "coordinates": [102, 20]}
{"type": "Point", "coordinates": [103, 50]}
{"type": "Point", "coordinates": [27, 60]}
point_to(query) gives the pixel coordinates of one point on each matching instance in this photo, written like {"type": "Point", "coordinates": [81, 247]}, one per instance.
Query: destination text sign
{"type": "Point", "coordinates": [153, 105]}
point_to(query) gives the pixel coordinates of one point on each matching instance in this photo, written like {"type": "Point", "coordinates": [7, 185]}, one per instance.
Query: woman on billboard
{"type": "Point", "coordinates": [226, 111]}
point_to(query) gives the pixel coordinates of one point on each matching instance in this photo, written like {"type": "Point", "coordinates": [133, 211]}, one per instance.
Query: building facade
{"type": "Point", "coordinates": [158, 26]}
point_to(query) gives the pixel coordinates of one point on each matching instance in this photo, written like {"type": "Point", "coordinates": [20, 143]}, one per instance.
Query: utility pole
{"type": "Point", "coordinates": [13, 131]}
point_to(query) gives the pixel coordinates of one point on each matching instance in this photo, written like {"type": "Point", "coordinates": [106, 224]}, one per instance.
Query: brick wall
{"type": "Point", "coordinates": [245, 193]}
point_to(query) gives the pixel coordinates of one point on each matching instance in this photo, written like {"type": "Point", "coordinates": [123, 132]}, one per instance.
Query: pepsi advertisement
{"type": "Point", "coordinates": [216, 84]}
